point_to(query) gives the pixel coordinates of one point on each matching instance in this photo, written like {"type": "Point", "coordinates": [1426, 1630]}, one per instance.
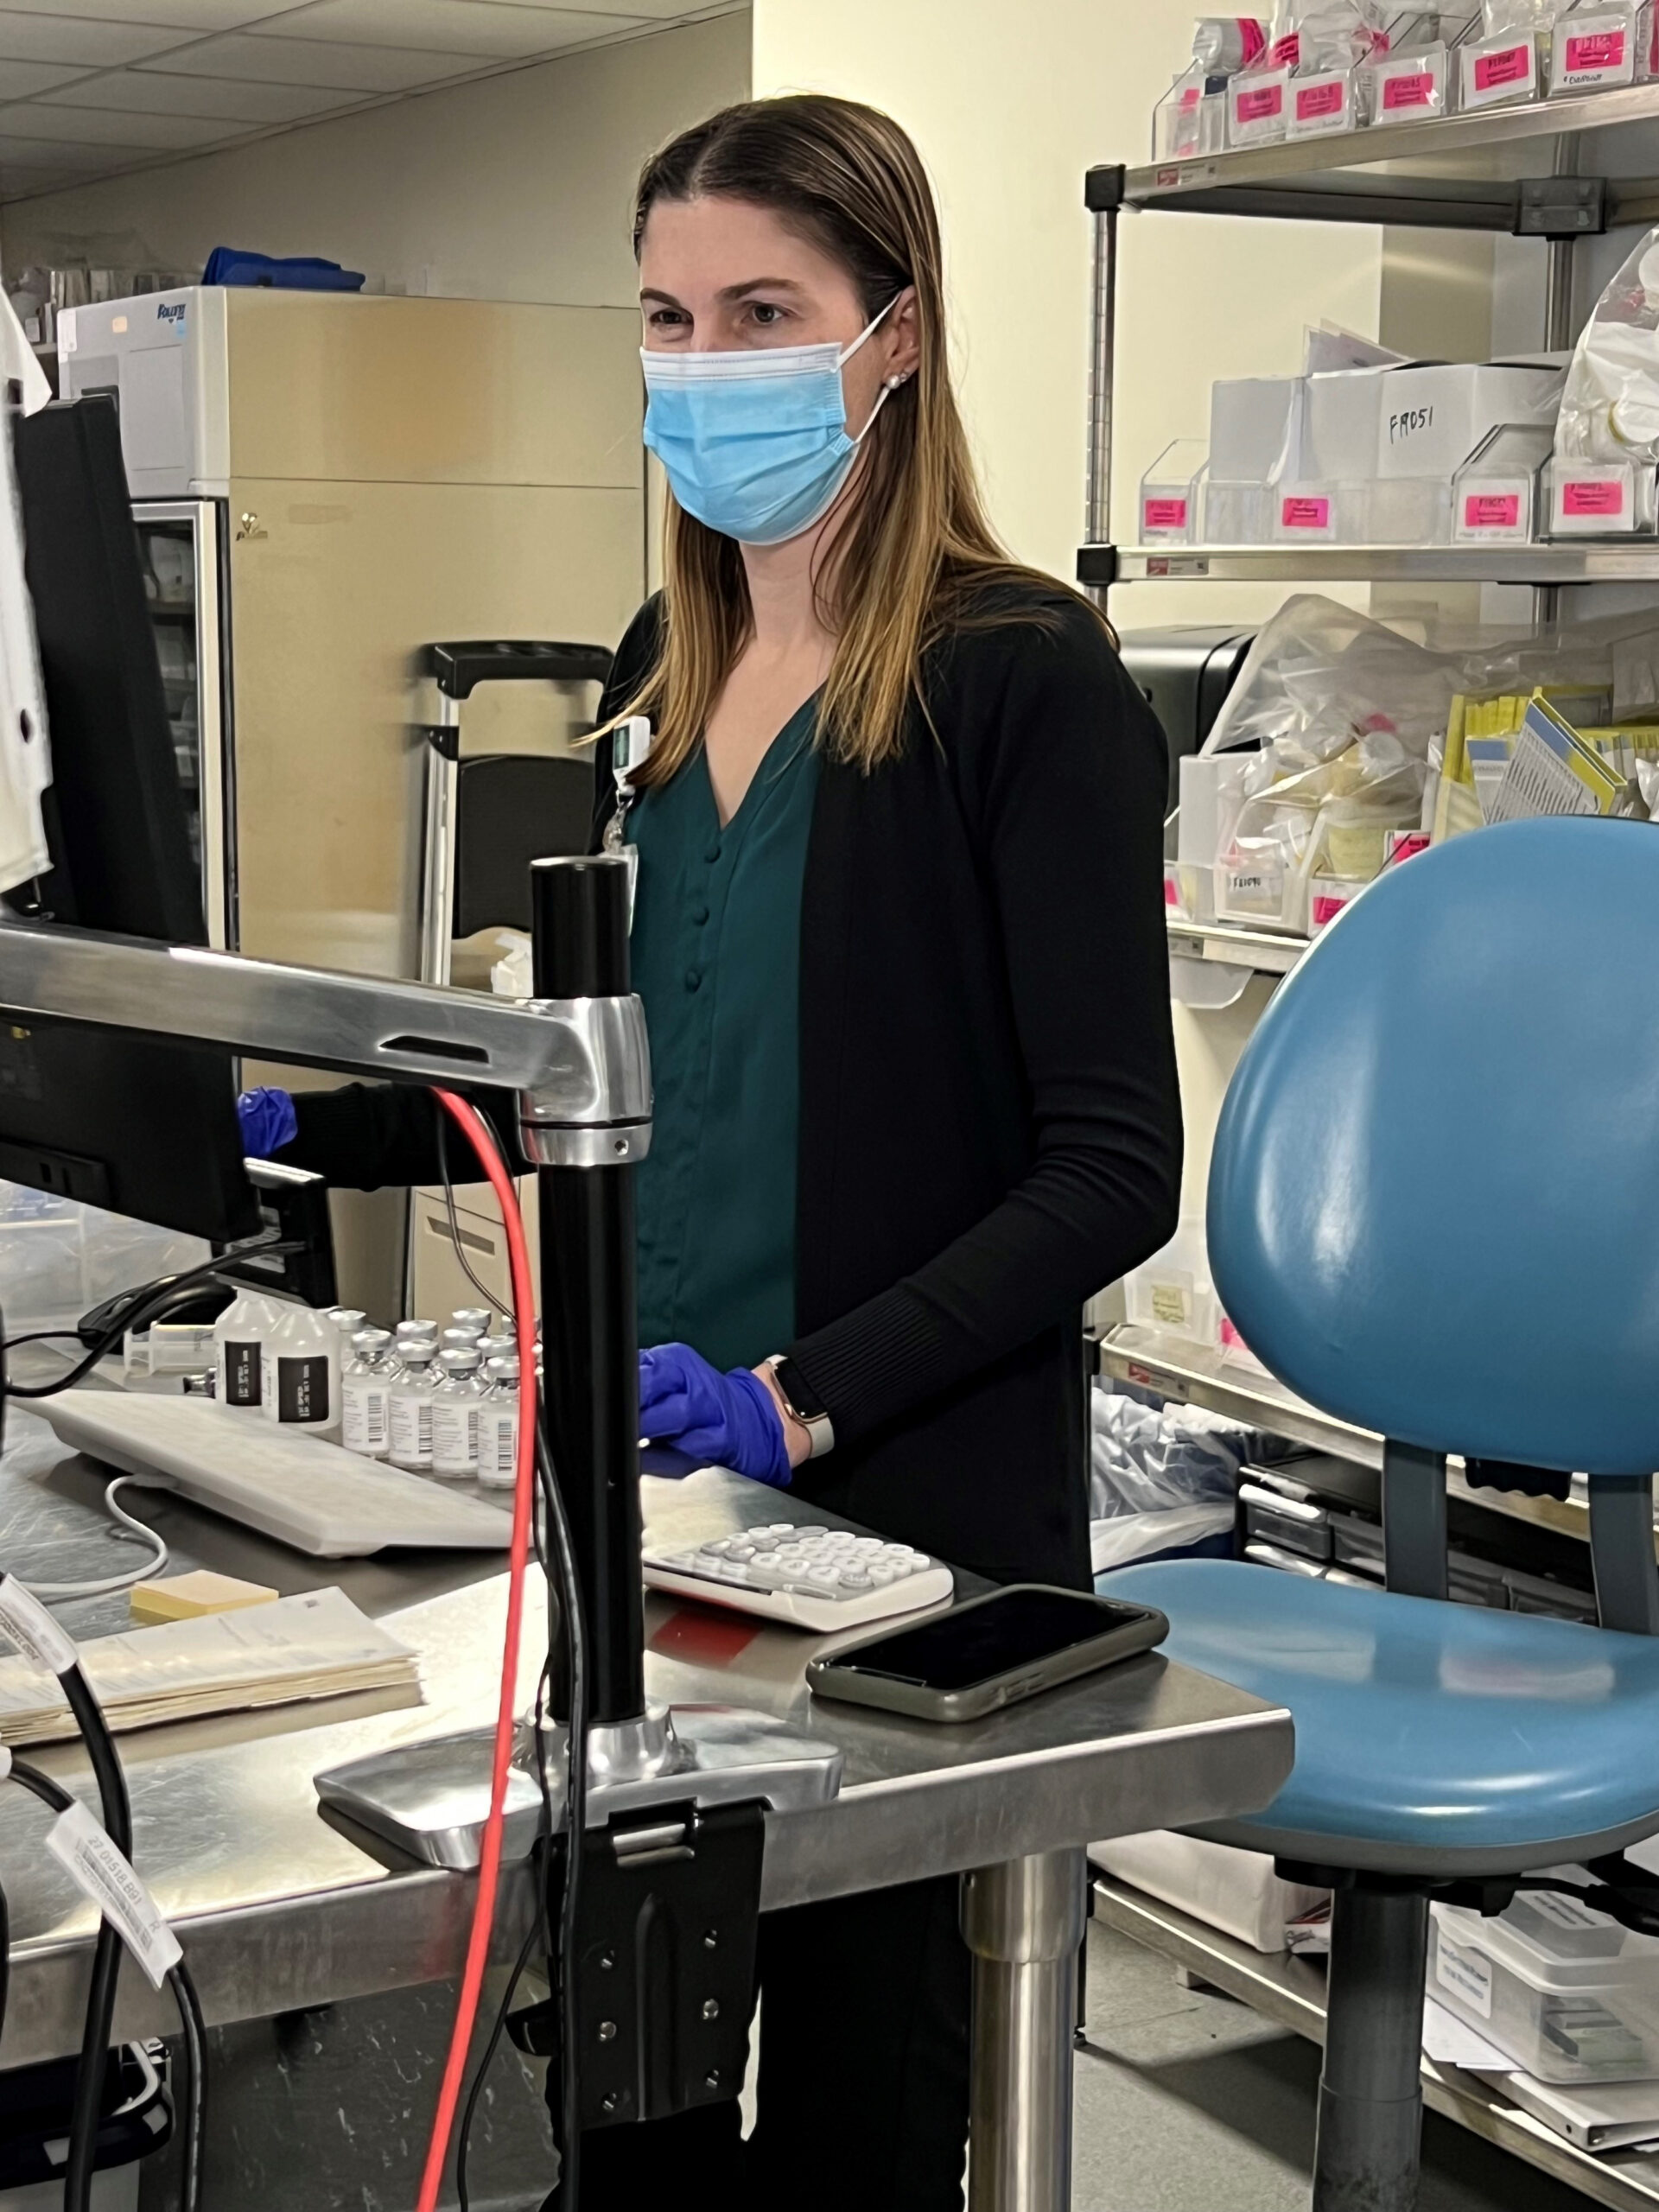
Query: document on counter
{"type": "Point", "coordinates": [314, 1646]}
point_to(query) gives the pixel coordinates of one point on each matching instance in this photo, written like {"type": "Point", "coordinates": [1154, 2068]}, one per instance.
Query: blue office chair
{"type": "Point", "coordinates": [1434, 1210]}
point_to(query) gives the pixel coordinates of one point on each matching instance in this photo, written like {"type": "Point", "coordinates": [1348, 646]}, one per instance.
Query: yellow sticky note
{"type": "Point", "coordinates": [184, 1597]}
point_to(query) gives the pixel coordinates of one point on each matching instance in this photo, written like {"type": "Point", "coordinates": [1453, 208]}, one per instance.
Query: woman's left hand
{"type": "Point", "coordinates": [735, 1419]}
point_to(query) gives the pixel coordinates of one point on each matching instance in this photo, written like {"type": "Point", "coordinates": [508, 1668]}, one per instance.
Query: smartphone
{"type": "Point", "coordinates": [989, 1652]}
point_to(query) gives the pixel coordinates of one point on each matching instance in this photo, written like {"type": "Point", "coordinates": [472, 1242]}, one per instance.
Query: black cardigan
{"type": "Point", "coordinates": [990, 1125]}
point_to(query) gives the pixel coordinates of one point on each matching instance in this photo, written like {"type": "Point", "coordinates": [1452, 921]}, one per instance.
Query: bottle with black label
{"type": "Point", "coordinates": [301, 1380]}
{"type": "Point", "coordinates": [239, 1336]}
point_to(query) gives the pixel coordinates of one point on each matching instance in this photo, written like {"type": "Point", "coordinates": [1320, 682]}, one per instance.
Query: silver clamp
{"type": "Point", "coordinates": [592, 1108]}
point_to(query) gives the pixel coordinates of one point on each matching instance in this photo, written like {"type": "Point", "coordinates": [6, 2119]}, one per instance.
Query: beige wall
{"type": "Point", "coordinates": [516, 187]}
{"type": "Point", "coordinates": [1010, 107]}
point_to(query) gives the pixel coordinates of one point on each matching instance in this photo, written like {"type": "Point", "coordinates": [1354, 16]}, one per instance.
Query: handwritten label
{"type": "Point", "coordinates": [32, 1629]}
{"type": "Point", "coordinates": [1604, 497]}
{"type": "Point", "coordinates": [104, 1873]}
{"type": "Point", "coordinates": [1491, 510]}
{"type": "Point", "coordinates": [1511, 65]}
{"type": "Point", "coordinates": [1414, 89]}
{"type": "Point", "coordinates": [1312, 100]}
{"type": "Point", "coordinates": [1596, 50]}
{"type": "Point", "coordinates": [1305, 512]}
{"type": "Point", "coordinates": [1163, 514]}
{"type": "Point", "coordinates": [1259, 104]}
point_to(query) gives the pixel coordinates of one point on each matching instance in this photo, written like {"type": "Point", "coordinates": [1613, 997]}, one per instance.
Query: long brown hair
{"type": "Point", "coordinates": [914, 554]}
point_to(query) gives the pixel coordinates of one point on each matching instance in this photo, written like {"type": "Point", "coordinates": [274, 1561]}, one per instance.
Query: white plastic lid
{"type": "Point", "coordinates": [1552, 1942]}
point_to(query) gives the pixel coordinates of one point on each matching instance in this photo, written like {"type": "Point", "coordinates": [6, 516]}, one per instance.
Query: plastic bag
{"type": "Point", "coordinates": [1309, 36]}
{"type": "Point", "coordinates": [1537, 16]}
{"type": "Point", "coordinates": [1610, 409]}
{"type": "Point", "coordinates": [1147, 1461]}
{"type": "Point", "coordinates": [509, 977]}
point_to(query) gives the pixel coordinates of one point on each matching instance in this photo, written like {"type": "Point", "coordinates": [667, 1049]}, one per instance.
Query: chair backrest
{"type": "Point", "coordinates": [1434, 1196]}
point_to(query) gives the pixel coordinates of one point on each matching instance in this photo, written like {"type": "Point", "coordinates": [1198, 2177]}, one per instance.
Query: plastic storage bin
{"type": "Point", "coordinates": [1595, 49]}
{"type": "Point", "coordinates": [1410, 87]}
{"type": "Point", "coordinates": [1496, 71]}
{"type": "Point", "coordinates": [1599, 498]}
{"type": "Point", "coordinates": [1566, 1992]}
{"type": "Point", "coordinates": [1169, 493]}
{"type": "Point", "coordinates": [1258, 107]}
{"type": "Point", "coordinates": [1495, 494]}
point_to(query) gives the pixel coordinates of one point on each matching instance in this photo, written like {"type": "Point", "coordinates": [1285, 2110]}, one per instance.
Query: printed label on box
{"type": "Point", "coordinates": [1414, 89]}
{"type": "Point", "coordinates": [1491, 510]}
{"type": "Point", "coordinates": [1314, 100]}
{"type": "Point", "coordinates": [1305, 514]}
{"type": "Point", "coordinates": [1163, 514]}
{"type": "Point", "coordinates": [1509, 70]}
{"type": "Point", "coordinates": [1598, 496]}
{"type": "Point", "coordinates": [1172, 891]}
{"type": "Point", "coordinates": [1259, 103]}
{"type": "Point", "coordinates": [1327, 905]}
{"type": "Point", "coordinates": [1172, 1305]}
{"type": "Point", "coordinates": [1595, 51]}
{"type": "Point", "coordinates": [1466, 1974]}
{"type": "Point", "coordinates": [1405, 844]}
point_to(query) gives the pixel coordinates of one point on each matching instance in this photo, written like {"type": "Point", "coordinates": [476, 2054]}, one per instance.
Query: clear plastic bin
{"type": "Point", "coordinates": [1258, 107]}
{"type": "Point", "coordinates": [1173, 1289]}
{"type": "Point", "coordinates": [1321, 513]}
{"type": "Point", "coordinates": [1232, 513]}
{"type": "Point", "coordinates": [1322, 104]}
{"type": "Point", "coordinates": [1566, 1993]}
{"type": "Point", "coordinates": [1599, 498]}
{"type": "Point", "coordinates": [1596, 49]}
{"type": "Point", "coordinates": [1190, 120]}
{"type": "Point", "coordinates": [1410, 87]}
{"type": "Point", "coordinates": [1494, 500]}
{"type": "Point", "coordinates": [59, 1259]}
{"type": "Point", "coordinates": [1169, 493]}
{"type": "Point", "coordinates": [1410, 511]}
{"type": "Point", "coordinates": [1496, 71]}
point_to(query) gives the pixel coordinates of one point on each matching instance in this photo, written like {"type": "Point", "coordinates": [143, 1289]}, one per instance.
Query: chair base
{"type": "Point", "coordinates": [1368, 2149]}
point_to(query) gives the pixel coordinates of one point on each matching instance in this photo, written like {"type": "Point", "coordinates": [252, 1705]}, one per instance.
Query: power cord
{"type": "Point", "coordinates": [57, 1592]}
{"type": "Point", "coordinates": [492, 1299]}
{"type": "Point", "coordinates": [54, 1796]}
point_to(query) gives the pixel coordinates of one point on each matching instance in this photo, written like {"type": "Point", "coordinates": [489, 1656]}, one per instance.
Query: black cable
{"type": "Point", "coordinates": [492, 1299]}
{"type": "Point", "coordinates": [575, 1816]}
{"type": "Point", "coordinates": [106, 1955]}
{"type": "Point", "coordinates": [155, 1294]}
{"type": "Point", "coordinates": [53, 1795]}
{"type": "Point", "coordinates": [463, 2139]}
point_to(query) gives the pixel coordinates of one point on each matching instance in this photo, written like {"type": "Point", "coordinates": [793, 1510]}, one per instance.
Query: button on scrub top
{"type": "Point", "coordinates": [717, 960]}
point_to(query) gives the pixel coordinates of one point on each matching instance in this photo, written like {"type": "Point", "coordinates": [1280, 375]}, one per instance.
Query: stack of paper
{"type": "Point", "coordinates": [318, 1645]}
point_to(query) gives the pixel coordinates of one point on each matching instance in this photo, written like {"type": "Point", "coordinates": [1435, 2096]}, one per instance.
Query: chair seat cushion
{"type": "Point", "coordinates": [1418, 1723]}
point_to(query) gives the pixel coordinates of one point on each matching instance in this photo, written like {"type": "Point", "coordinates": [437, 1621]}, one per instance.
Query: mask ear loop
{"type": "Point", "coordinates": [891, 384]}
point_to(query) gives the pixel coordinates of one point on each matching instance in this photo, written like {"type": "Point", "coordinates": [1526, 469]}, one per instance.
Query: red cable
{"type": "Point", "coordinates": [489, 1863]}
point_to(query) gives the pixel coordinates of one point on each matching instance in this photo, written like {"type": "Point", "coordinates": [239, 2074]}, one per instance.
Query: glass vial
{"type": "Point", "coordinates": [366, 1395]}
{"type": "Point", "coordinates": [454, 1414]}
{"type": "Point", "coordinates": [498, 1425]}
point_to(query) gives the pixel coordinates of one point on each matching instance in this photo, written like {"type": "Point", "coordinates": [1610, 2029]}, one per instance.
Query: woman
{"type": "Point", "coordinates": [898, 934]}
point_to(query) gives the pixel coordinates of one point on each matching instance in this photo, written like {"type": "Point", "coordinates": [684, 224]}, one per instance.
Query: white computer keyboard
{"type": "Point", "coordinates": [820, 1579]}
{"type": "Point", "coordinates": [314, 1496]}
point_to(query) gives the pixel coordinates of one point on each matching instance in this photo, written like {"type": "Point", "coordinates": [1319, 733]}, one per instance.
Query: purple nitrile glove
{"type": "Point", "coordinates": [726, 1421]}
{"type": "Point", "coordinates": [268, 1121]}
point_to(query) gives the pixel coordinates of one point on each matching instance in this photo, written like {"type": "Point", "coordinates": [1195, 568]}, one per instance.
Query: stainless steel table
{"type": "Point", "coordinates": [278, 1911]}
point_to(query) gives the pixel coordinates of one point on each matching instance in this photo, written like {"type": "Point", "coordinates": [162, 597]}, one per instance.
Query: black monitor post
{"type": "Point", "coordinates": [135, 1124]}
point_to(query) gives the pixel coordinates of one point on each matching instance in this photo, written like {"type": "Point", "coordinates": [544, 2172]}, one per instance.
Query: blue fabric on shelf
{"type": "Point", "coordinates": [229, 264]}
{"type": "Point", "coordinates": [1419, 1722]}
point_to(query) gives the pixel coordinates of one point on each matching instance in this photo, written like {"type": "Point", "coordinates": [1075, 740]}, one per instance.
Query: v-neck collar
{"type": "Point", "coordinates": [768, 770]}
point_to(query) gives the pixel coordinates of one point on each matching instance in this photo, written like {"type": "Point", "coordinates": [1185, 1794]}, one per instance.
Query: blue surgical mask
{"type": "Point", "coordinates": [754, 442]}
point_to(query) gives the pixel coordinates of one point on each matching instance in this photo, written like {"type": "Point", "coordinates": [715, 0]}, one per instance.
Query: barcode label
{"type": "Point", "coordinates": [411, 1432]}
{"type": "Point", "coordinates": [366, 1407]}
{"type": "Point", "coordinates": [497, 1456]}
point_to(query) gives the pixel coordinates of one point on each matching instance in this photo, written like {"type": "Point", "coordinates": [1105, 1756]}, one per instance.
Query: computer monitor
{"type": "Point", "coordinates": [145, 1129]}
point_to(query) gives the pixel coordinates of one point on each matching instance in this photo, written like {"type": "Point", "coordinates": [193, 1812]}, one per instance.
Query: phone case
{"type": "Point", "coordinates": [833, 1678]}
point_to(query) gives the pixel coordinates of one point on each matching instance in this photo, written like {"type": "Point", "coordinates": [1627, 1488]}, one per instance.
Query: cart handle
{"type": "Point", "coordinates": [456, 668]}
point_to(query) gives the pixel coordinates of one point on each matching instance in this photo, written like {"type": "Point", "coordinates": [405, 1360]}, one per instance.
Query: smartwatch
{"type": "Point", "coordinates": [804, 1402]}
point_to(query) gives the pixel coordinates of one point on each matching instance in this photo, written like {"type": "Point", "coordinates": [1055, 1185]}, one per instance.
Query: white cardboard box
{"type": "Point", "coordinates": [1339, 425]}
{"type": "Point", "coordinates": [1430, 419]}
{"type": "Point", "coordinates": [1248, 417]}
{"type": "Point", "coordinates": [1235, 1891]}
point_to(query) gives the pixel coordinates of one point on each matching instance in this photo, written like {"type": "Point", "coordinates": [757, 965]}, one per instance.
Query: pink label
{"type": "Point", "coordinates": [1230, 1338]}
{"type": "Point", "coordinates": [1305, 514]}
{"type": "Point", "coordinates": [1511, 65]}
{"type": "Point", "coordinates": [1317, 99]}
{"type": "Point", "coordinates": [1592, 498]}
{"type": "Point", "coordinates": [1163, 514]}
{"type": "Point", "coordinates": [1596, 50]}
{"type": "Point", "coordinates": [1404, 845]}
{"type": "Point", "coordinates": [1257, 105]}
{"type": "Point", "coordinates": [1172, 891]}
{"type": "Point", "coordinates": [1284, 53]}
{"type": "Point", "coordinates": [1326, 908]}
{"type": "Point", "coordinates": [1491, 510]}
{"type": "Point", "coordinates": [1416, 89]}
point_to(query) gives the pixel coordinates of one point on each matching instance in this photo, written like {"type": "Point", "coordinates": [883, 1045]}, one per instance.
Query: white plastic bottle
{"type": "Point", "coordinates": [498, 1425]}
{"type": "Point", "coordinates": [411, 1409]}
{"type": "Point", "coordinates": [456, 1403]}
{"type": "Point", "coordinates": [300, 1375]}
{"type": "Point", "coordinates": [365, 1394]}
{"type": "Point", "coordinates": [239, 1336]}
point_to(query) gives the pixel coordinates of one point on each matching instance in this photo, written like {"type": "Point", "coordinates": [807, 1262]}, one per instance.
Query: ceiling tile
{"type": "Point", "coordinates": [659, 11]}
{"type": "Point", "coordinates": [93, 126]}
{"type": "Point", "coordinates": [148, 92]}
{"type": "Point", "coordinates": [19, 151]}
{"type": "Point", "coordinates": [312, 62]}
{"type": "Point", "coordinates": [20, 79]}
{"type": "Point", "coordinates": [198, 15]}
{"type": "Point", "coordinates": [481, 29]}
{"type": "Point", "coordinates": [73, 38]}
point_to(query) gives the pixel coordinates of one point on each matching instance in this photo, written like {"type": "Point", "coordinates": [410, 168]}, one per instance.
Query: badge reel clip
{"type": "Point", "coordinates": [630, 748]}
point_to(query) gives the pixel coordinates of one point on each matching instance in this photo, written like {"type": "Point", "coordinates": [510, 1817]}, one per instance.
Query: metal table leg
{"type": "Point", "coordinates": [1023, 1922]}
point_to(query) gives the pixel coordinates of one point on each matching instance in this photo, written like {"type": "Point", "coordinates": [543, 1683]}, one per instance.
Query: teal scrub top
{"type": "Point", "coordinates": [716, 950]}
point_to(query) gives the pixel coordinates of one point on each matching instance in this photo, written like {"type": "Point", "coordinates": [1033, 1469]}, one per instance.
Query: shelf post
{"type": "Point", "coordinates": [1097, 520]}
